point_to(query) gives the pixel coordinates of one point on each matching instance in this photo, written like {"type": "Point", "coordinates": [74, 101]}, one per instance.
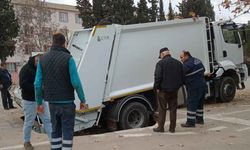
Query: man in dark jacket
{"type": "Point", "coordinates": [5, 83]}
{"type": "Point", "coordinates": [26, 82]}
{"type": "Point", "coordinates": [168, 80]}
{"type": "Point", "coordinates": [196, 88]}
{"type": "Point", "coordinates": [56, 80]}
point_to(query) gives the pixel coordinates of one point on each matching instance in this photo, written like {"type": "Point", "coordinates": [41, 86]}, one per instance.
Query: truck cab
{"type": "Point", "coordinates": [229, 70]}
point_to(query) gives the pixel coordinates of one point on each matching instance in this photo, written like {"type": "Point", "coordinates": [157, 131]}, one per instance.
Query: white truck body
{"type": "Point", "coordinates": [119, 60]}
{"type": "Point", "coordinates": [116, 62]}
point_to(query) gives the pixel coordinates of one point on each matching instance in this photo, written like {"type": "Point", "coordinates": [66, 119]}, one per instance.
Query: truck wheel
{"type": "Point", "coordinates": [134, 115]}
{"type": "Point", "coordinates": [227, 89]}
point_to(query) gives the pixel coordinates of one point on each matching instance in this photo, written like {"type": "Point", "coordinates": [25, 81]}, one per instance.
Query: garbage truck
{"type": "Point", "coordinates": [116, 65]}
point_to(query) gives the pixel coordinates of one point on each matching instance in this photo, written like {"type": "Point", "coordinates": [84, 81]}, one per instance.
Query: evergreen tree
{"type": "Point", "coordinates": [198, 7]}
{"type": "Point", "coordinates": [127, 11]}
{"type": "Point", "coordinates": [97, 10]}
{"type": "Point", "coordinates": [162, 14]}
{"type": "Point", "coordinates": [107, 12]}
{"type": "Point", "coordinates": [210, 10]}
{"type": "Point", "coordinates": [170, 11]}
{"type": "Point", "coordinates": [86, 13]}
{"type": "Point", "coordinates": [118, 11]}
{"type": "Point", "coordinates": [108, 8]}
{"type": "Point", "coordinates": [153, 10]}
{"type": "Point", "coordinates": [124, 11]}
{"type": "Point", "coordinates": [8, 29]}
{"type": "Point", "coordinates": [142, 12]}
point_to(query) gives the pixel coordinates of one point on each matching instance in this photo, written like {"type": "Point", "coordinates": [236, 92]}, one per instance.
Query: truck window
{"type": "Point", "coordinates": [230, 35]}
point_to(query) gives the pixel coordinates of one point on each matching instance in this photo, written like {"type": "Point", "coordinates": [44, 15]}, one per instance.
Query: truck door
{"type": "Point", "coordinates": [231, 44]}
{"type": "Point", "coordinates": [93, 67]}
{"type": "Point", "coordinates": [78, 44]}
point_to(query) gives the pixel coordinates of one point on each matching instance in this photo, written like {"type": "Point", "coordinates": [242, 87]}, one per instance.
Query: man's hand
{"type": "Point", "coordinates": [208, 74]}
{"type": "Point", "coordinates": [1, 86]}
{"type": "Point", "coordinates": [158, 91]}
{"type": "Point", "coordinates": [40, 109]}
{"type": "Point", "coordinates": [83, 106]}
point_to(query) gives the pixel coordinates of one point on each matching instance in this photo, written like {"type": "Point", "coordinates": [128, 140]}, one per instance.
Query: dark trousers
{"type": "Point", "coordinates": [195, 102]}
{"type": "Point", "coordinates": [63, 121]}
{"type": "Point", "coordinates": [167, 100]}
{"type": "Point", "coordinates": [6, 98]}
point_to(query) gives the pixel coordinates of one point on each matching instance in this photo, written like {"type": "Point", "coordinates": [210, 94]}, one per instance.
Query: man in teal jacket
{"type": "Point", "coordinates": [55, 82]}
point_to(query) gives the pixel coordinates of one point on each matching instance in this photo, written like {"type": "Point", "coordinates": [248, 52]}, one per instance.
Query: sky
{"type": "Point", "coordinates": [220, 13]}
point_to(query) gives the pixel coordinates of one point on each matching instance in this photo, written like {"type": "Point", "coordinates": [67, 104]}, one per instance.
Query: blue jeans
{"type": "Point", "coordinates": [29, 110]}
{"type": "Point", "coordinates": [63, 121]}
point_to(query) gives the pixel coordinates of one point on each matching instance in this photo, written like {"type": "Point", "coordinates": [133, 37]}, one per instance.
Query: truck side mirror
{"type": "Point", "coordinates": [239, 45]}
{"type": "Point", "coordinates": [243, 34]}
{"type": "Point", "coordinates": [244, 37]}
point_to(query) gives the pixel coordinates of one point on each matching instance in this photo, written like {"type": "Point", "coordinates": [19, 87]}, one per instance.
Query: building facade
{"type": "Point", "coordinates": [39, 20]}
{"type": "Point", "coordinates": [37, 35]}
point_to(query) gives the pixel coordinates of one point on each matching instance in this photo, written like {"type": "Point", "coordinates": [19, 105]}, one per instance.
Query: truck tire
{"type": "Point", "coordinates": [134, 115]}
{"type": "Point", "coordinates": [227, 89]}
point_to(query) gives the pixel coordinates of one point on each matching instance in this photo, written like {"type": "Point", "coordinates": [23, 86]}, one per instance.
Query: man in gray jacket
{"type": "Point", "coordinates": [168, 79]}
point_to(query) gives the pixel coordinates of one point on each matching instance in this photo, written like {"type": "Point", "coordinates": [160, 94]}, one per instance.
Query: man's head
{"type": "Point", "coordinates": [59, 39]}
{"type": "Point", "coordinates": [34, 59]}
{"type": "Point", "coordinates": [185, 55]}
{"type": "Point", "coordinates": [164, 52]}
{"type": "Point", "coordinates": [3, 65]}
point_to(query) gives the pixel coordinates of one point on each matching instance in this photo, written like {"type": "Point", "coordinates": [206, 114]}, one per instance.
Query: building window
{"type": "Point", "coordinates": [11, 67]}
{"type": "Point", "coordinates": [63, 17]}
{"type": "Point", "coordinates": [78, 19]}
{"type": "Point", "coordinates": [47, 32]}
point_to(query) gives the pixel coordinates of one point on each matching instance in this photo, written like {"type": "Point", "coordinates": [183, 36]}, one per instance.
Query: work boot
{"type": "Point", "coordinates": [28, 146]}
{"type": "Point", "coordinates": [158, 129]}
{"type": "Point", "coordinates": [186, 125]}
{"type": "Point", "coordinates": [171, 130]}
{"type": "Point", "coordinates": [12, 107]}
{"type": "Point", "coordinates": [201, 122]}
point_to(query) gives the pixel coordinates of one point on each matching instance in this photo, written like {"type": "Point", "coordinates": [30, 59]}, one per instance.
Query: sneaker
{"type": "Point", "coordinates": [186, 125]}
{"type": "Point", "coordinates": [5, 108]}
{"type": "Point", "coordinates": [12, 107]}
{"type": "Point", "coordinates": [171, 130]}
{"type": "Point", "coordinates": [158, 129]}
{"type": "Point", "coordinates": [28, 146]}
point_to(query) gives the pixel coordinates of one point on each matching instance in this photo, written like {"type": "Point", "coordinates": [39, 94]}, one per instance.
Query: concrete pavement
{"type": "Point", "coordinates": [227, 127]}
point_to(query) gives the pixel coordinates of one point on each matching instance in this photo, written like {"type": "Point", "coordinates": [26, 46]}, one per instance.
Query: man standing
{"type": "Point", "coordinates": [26, 82]}
{"type": "Point", "coordinates": [56, 80]}
{"type": "Point", "coordinates": [196, 88]}
{"type": "Point", "coordinates": [5, 83]}
{"type": "Point", "coordinates": [168, 80]}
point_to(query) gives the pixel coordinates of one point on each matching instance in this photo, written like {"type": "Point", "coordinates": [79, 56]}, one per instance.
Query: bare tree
{"type": "Point", "coordinates": [36, 25]}
{"type": "Point", "coordinates": [238, 7]}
